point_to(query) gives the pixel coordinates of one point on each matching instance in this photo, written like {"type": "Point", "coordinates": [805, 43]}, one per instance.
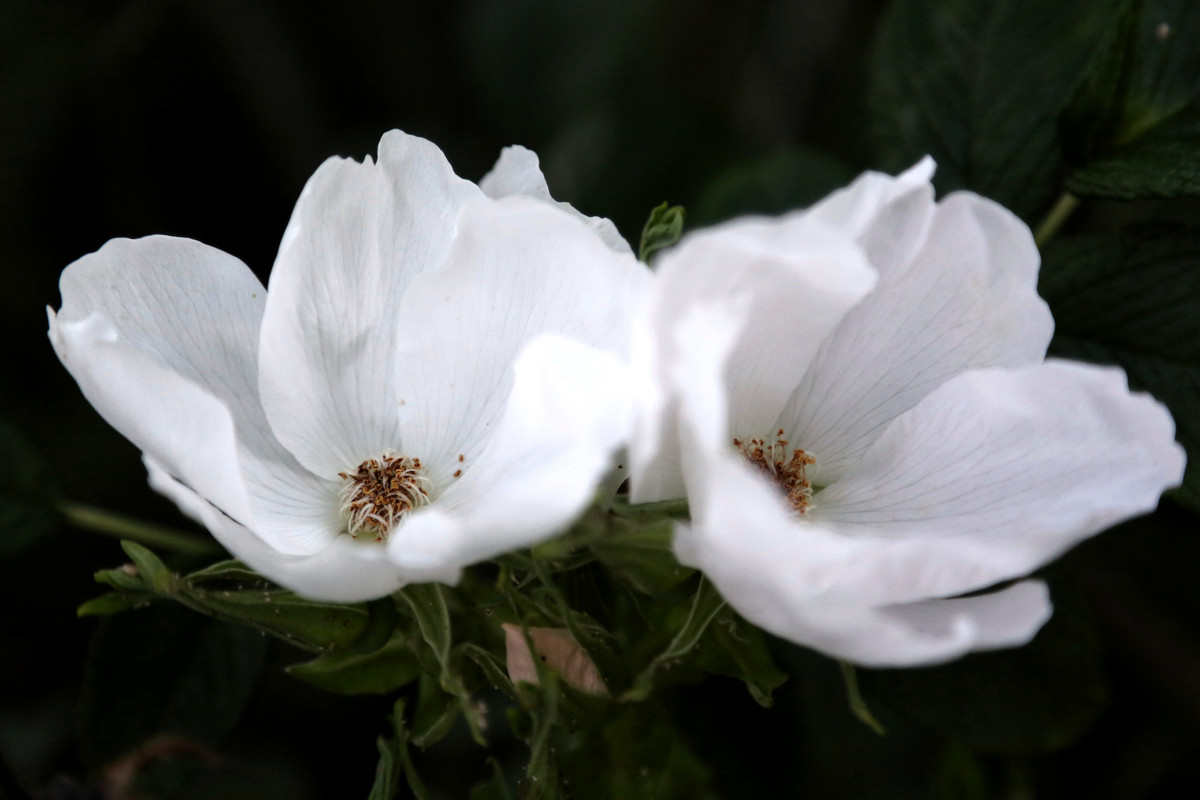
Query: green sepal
{"type": "Point", "coordinates": [706, 602]}
{"type": "Point", "coordinates": [663, 228]}
{"type": "Point", "coordinates": [731, 646]}
{"type": "Point", "coordinates": [379, 672]}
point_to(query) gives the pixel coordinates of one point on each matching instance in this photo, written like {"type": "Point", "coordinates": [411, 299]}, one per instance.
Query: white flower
{"type": "Point", "coordinates": [856, 401]}
{"type": "Point", "coordinates": [435, 365]}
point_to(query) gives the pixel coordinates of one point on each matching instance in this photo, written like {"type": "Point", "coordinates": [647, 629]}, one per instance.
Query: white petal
{"type": "Point", "coordinates": [346, 571]}
{"type": "Point", "coordinates": [998, 472]}
{"type": "Point", "coordinates": [1010, 617]}
{"type": "Point", "coordinates": [888, 216]}
{"type": "Point", "coordinates": [358, 236]}
{"type": "Point", "coordinates": [568, 413]}
{"type": "Point", "coordinates": [804, 581]}
{"type": "Point", "coordinates": [967, 299]}
{"type": "Point", "coordinates": [163, 414]}
{"type": "Point", "coordinates": [519, 268]}
{"type": "Point", "coordinates": [789, 577]}
{"type": "Point", "coordinates": [161, 334]}
{"type": "Point", "coordinates": [517, 173]}
{"type": "Point", "coordinates": [789, 281]}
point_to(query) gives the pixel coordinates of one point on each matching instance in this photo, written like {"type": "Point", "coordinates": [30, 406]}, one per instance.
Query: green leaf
{"type": "Point", "coordinates": [642, 556]}
{"type": "Point", "coordinates": [1165, 162]}
{"type": "Point", "coordinates": [28, 495]}
{"type": "Point", "coordinates": [638, 755]}
{"type": "Point", "coordinates": [1092, 120]}
{"type": "Point", "coordinates": [601, 646]}
{"type": "Point", "coordinates": [382, 671]}
{"type": "Point", "coordinates": [772, 184]}
{"type": "Point", "coordinates": [395, 763]}
{"type": "Point", "coordinates": [1133, 299]}
{"type": "Point", "coordinates": [164, 670]}
{"type": "Point", "coordinates": [229, 574]}
{"type": "Point", "coordinates": [230, 592]}
{"type": "Point", "coordinates": [979, 85]}
{"type": "Point", "coordinates": [542, 780]}
{"type": "Point", "coordinates": [112, 603]}
{"type": "Point", "coordinates": [731, 646]}
{"type": "Point", "coordinates": [1133, 129]}
{"type": "Point", "coordinates": [436, 712]}
{"type": "Point", "coordinates": [307, 624]}
{"type": "Point", "coordinates": [149, 566]}
{"type": "Point", "coordinates": [495, 788]}
{"type": "Point", "coordinates": [433, 618]}
{"type": "Point", "coordinates": [663, 229]}
{"type": "Point", "coordinates": [705, 605]}
{"type": "Point", "coordinates": [493, 669]}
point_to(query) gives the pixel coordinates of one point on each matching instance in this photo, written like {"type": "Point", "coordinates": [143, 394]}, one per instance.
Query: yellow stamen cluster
{"type": "Point", "coordinates": [378, 494]}
{"type": "Point", "coordinates": [787, 471]}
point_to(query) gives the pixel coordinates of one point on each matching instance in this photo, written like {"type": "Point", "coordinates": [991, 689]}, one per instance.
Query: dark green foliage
{"type": "Point", "coordinates": [979, 85]}
{"type": "Point", "coordinates": [1133, 299]}
{"type": "Point", "coordinates": [1133, 128]}
{"type": "Point", "coordinates": [161, 671]}
{"type": "Point", "coordinates": [773, 184]}
{"type": "Point", "coordinates": [1025, 701]}
{"type": "Point", "coordinates": [28, 493]}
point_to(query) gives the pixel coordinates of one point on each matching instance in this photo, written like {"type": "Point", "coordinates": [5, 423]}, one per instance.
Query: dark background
{"type": "Point", "coordinates": [203, 118]}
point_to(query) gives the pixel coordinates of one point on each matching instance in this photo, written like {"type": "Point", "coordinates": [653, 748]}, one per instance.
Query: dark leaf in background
{"type": "Point", "coordinates": [1133, 299]}
{"type": "Point", "coordinates": [28, 495]}
{"type": "Point", "coordinates": [164, 670]}
{"type": "Point", "coordinates": [1033, 699]}
{"type": "Point", "coordinates": [1133, 128]}
{"type": "Point", "coordinates": [979, 85]}
{"type": "Point", "coordinates": [639, 756]}
{"type": "Point", "coordinates": [774, 184]}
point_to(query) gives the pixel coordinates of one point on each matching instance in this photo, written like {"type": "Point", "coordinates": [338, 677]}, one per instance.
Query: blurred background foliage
{"type": "Point", "coordinates": [203, 118]}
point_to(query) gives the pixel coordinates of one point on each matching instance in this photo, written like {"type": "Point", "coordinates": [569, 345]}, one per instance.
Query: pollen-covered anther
{"type": "Point", "coordinates": [380, 492]}
{"type": "Point", "coordinates": [785, 468]}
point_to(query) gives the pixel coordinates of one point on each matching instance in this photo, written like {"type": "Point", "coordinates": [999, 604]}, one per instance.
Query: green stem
{"type": "Point", "coordinates": [109, 523]}
{"type": "Point", "coordinates": [664, 508]}
{"type": "Point", "coordinates": [857, 705]}
{"type": "Point", "coordinates": [1062, 210]}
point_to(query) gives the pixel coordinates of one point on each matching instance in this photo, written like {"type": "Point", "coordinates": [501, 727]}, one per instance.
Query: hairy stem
{"type": "Point", "coordinates": [1062, 210]}
{"type": "Point", "coordinates": [109, 523]}
{"type": "Point", "coordinates": [854, 697]}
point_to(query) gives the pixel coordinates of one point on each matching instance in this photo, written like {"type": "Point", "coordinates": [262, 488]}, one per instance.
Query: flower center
{"type": "Point", "coordinates": [377, 495]}
{"type": "Point", "coordinates": [786, 469]}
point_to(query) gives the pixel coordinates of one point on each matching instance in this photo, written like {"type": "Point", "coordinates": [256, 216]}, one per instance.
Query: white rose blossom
{"type": "Point", "coordinates": [856, 401]}
{"type": "Point", "coordinates": [434, 375]}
